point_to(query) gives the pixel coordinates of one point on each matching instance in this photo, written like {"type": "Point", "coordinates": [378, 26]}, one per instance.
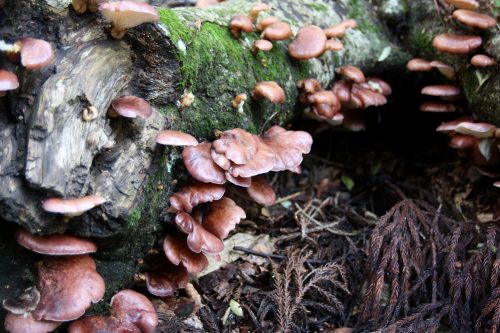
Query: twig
{"type": "Point", "coordinates": [333, 231]}
{"type": "Point", "coordinates": [288, 197]}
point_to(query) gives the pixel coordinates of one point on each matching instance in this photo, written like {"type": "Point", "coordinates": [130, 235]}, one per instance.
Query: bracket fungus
{"type": "Point", "coordinates": [473, 19]}
{"type": "Point", "coordinates": [177, 252]}
{"type": "Point", "coordinates": [72, 207]}
{"type": "Point", "coordinates": [270, 90]}
{"type": "Point", "coordinates": [130, 312]}
{"type": "Point", "coordinates": [456, 44]}
{"type": "Point", "coordinates": [130, 107]}
{"type": "Point", "coordinates": [261, 191]}
{"type": "Point", "coordinates": [195, 194]}
{"type": "Point", "coordinates": [175, 138]}
{"type": "Point", "coordinates": [56, 245]}
{"type": "Point", "coordinates": [200, 165]}
{"type": "Point", "coordinates": [124, 15]}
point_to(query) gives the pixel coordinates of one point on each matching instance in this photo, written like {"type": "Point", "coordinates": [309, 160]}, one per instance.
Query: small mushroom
{"type": "Point", "coordinates": [477, 130]}
{"type": "Point", "coordinates": [481, 60]}
{"type": "Point", "coordinates": [256, 9]}
{"type": "Point", "coordinates": [175, 138]}
{"type": "Point", "coordinates": [309, 43]}
{"type": "Point", "coordinates": [8, 81]}
{"type": "Point", "coordinates": [418, 65]}
{"type": "Point", "coordinates": [264, 23]}
{"type": "Point", "coordinates": [124, 15]}
{"type": "Point", "coordinates": [352, 73]}
{"type": "Point", "coordinates": [262, 45]}
{"type": "Point", "coordinates": [277, 31]}
{"type": "Point", "coordinates": [437, 107]}
{"type": "Point", "coordinates": [456, 44]}
{"type": "Point", "coordinates": [165, 280]}
{"type": "Point", "coordinates": [27, 324]}
{"type": "Point", "coordinates": [239, 23]}
{"type": "Point", "coordinates": [473, 19]}
{"type": "Point", "coordinates": [237, 145]}
{"type": "Point", "coordinates": [269, 90]}
{"type": "Point", "coordinates": [464, 4]}
{"type": "Point", "coordinates": [130, 107]}
{"type": "Point", "coordinates": [200, 165]}
{"type": "Point", "coordinates": [56, 245]}
{"type": "Point", "coordinates": [89, 113]}
{"type": "Point", "coordinates": [195, 194]}
{"type": "Point", "coordinates": [199, 239]}
{"type": "Point", "coordinates": [222, 216]}
{"type": "Point", "coordinates": [238, 102]}
{"type": "Point", "coordinates": [445, 69]}
{"type": "Point", "coordinates": [261, 191]}
{"type": "Point", "coordinates": [72, 207]}
{"type": "Point", "coordinates": [177, 252]}
{"type": "Point", "coordinates": [443, 90]}
{"type": "Point", "coordinates": [35, 53]}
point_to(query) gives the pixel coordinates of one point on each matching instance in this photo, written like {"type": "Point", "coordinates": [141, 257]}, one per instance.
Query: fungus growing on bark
{"type": "Point", "coordinates": [35, 53]}
{"type": "Point", "coordinates": [124, 15]}
{"type": "Point", "coordinates": [89, 113]}
{"type": "Point", "coordinates": [264, 23]}
{"type": "Point", "coordinates": [437, 107]}
{"type": "Point", "coordinates": [199, 239]}
{"type": "Point", "coordinates": [342, 89]}
{"type": "Point", "coordinates": [67, 285]}
{"type": "Point", "coordinates": [352, 73]}
{"type": "Point", "coordinates": [309, 42]}
{"type": "Point", "coordinates": [464, 4]}
{"type": "Point", "coordinates": [441, 91]}
{"type": "Point", "coordinates": [130, 107]}
{"type": "Point", "coordinates": [270, 90]}
{"type": "Point", "coordinates": [481, 60]}
{"type": "Point", "coordinates": [256, 9]}
{"type": "Point", "coordinates": [473, 19]}
{"type": "Point", "coordinates": [325, 102]}
{"type": "Point", "coordinates": [73, 207]}
{"type": "Point", "coordinates": [130, 312]}
{"type": "Point", "coordinates": [277, 31]}
{"type": "Point", "coordinates": [177, 252]}
{"type": "Point", "coordinates": [477, 130]}
{"type": "Point", "coordinates": [239, 23]}
{"type": "Point", "coordinates": [27, 324]}
{"type": "Point", "coordinates": [237, 145]}
{"type": "Point", "coordinates": [419, 65]}
{"type": "Point", "coordinates": [238, 102]}
{"type": "Point", "coordinates": [222, 216]}
{"type": "Point", "coordinates": [175, 138]}
{"type": "Point", "coordinates": [333, 45]}
{"type": "Point", "coordinates": [339, 30]}
{"type": "Point", "coordinates": [165, 280]}
{"type": "Point", "coordinates": [456, 44]}
{"type": "Point", "coordinates": [200, 165]}
{"type": "Point", "coordinates": [261, 191]}
{"type": "Point", "coordinates": [262, 45]}
{"type": "Point", "coordinates": [8, 81]}
{"type": "Point", "coordinates": [56, 245]}
{"type": "Point", "coordinates": [195, 194]}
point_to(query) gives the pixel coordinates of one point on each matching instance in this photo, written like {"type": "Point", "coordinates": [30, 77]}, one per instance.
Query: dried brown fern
{"type": "Point", "coordinates": [294, 281]}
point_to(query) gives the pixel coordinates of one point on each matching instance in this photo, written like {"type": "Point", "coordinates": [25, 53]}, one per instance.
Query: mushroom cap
{"type": "Point", "coordinates": [377, 85]}
{"type": "Point", "coordinates": [8, 80]}
{"type": "Point", "coordinates": [239, 23]}
{"type": "Point", "coordinates": [59, 245]}
{"type": "Point", "coordinates": [177, 252]}
{"type": "Point", "coordinates": [334, 45]}
{"type": "Point", "coordinates": [350, 23]}
{"type": "Point", "coordinates": [199, 239]}
{"type": "Point", "coordinates": [461, 141]}
{"type": "Point", "coordinates": [220, 159]}
{"type": "Point", "coordinates": [443, 90]}
{"type": "Point", "coordinates": [200, 165]}
{"type": "Point", "coordinates": [335, 31]}
{"type": "Point", "coordinates": [309, 42]}
{"type": "Point", "coordinates": [262, 45]}
{"type": "Point", "coordinates": [264, 23]}
{"type": "Point", "coordinates": [36, 53]}
{"type": "Point", "coordinates": [102, 324]}
{"type": "Point", "coordinates": [237, 145]}
{"type": "Point", "coordinates": [456, 44]}
{"type": "Point", "coordinates": [437, 107]}
{"type": "Point", "coordinates": [477, 130]}
{"type": "Point", "coordinates": [206, 3]}
{"type": "Point", "coordinates": [175, 138]}
{"type": "Point", "coordinates": [326, 102]}
{"type": "Point", "coordinates": [262, 162]}
{"type": "Point", "coordinates": [352, 73]}
{"type": "Point", "coordinates": [261, 191]}
{"type": "Point", "coordinates": [72, 206]}
{"type": "Point", "coordinates": [132, 107]}
{"type": "Point", "coordinates": [23, 304]}
{"type": "Point", "coordinates": [445, 69]}
{"type": "Point", "coordinates": [277, 31]}
{"type": "Point", "coordinates": [449, 126]}
{"type": "Point", "coordinates": [128, 14]}
{"type": "Point", "coordinates": [418, 65]}
{"type": "Point", "coordinates": [367, 97]}
{"type": "Point", "coordinates": [131, 307]}
{"type": "Point", "coordinates": [167, 279]}
{"type": "Point", "coordinates": [464, 4]}
{"type": "Point", "coordinates": [481, 60]}
{"type": "Point", "coordinates": [256, 9]}
{"type": "Point", "coordinates": [269, 90]}
{"type": "Point", "coordinates": [342, 89]}
{"type": "Point", "coordinates": [238, 181]}
{"type": "Point", "coordinates": [474, 19]}
{"type": "Point", "coordinates": [197, 193]}
{"type": "Point", "coordinates": [23, 324]}
{"type": "Point", "coordinates": [222, 216]}
{"type": "Point", "coordinates": [67, 285]}
{"type": "Point", "coordinates": [309, 86]}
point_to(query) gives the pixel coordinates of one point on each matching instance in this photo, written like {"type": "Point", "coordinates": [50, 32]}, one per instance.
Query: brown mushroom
{"type": "Point", "coordinates": [124, 15]}
{"type": "Point", "coordinates": [264, 23]}
{"type": "Point", "coordinates": [177, 252]}
{"type": "Point", "coordinates": [262, 45]}
{"type": "Point", "coordinates": [456, 44]}
{"type": "Point", "coordinates": [333, 45]}
{"type": "Point", "coordinates": [342, 89]}
{"type": "Point", "coordinates": [200, 165]}
{"type": "Point", "coordinates": [477, 130]}
{"type": "Point", "coordinates": [309, 42]}
{"type": "Point", "coordinates": [335, 31]}
{"type": "Point", "coordinates": [481, 60]}
{"type": "Point", "coordinates": [130, 107]}
{"type": "Point", "coordinates": [67, 285]}
{"type": "Point", "coordinates": [27, 324]}
{"type": "Point", "coordinates": [277, 31]}
{"type": "Point", "coordinates": [175, 138]}
{"type": "Point", "coordinates": [261, 191]}
{"type": "Point", "coordinates": [437, 107]}
{"type": "Point", "coordinates": [269, 90]}
{"type": "Point", "coordinates": [58, 245]}
{"type": "Point", "coordinates": [8, 81]}
{"type": "Point", "coordinates": [35, 53]}
{"type": "Point", "coordinates": [256, 9]}
{"type": "Point", "coordinates": [199, 239]}
{"type": "Point", "coordinates": [464, 4]}
{"type": "Point", "coordinates": [449, 126]}
{"type": "Point", "coordinates": [197, 193]}
{"type": "Point", "coordinates": [237, 145]}
{"type": "Point", "coordinates": [445, 69]}
{"type": "Point", "coordinates": [352, 73]}
{"type": "Point", "coordinates": [24, 303]}
{"type": "Point", "coordinates": [239, 23]}
{"type": "Point", "coordinates": [222, 216]}
{"type": "Point", "coordinates": [443, 90]}
{"type": "Point", "coordinates": [473, 19]}
{"type": "Point", "coordinates": [72, 207]}
{"type": "Point", "coordinates": [164, 281]}
{"type": "Point", "coordinates": [419, 65]}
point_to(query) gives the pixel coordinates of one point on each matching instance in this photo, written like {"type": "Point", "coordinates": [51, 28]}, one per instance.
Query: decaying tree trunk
{"type": "Point", "coordinates": [47, 149]}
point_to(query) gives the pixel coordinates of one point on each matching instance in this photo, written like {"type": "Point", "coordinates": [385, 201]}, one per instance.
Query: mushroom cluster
{"type": "Point", "coordinates": [204, 216]}
{"type": "Point", "coordinates": [350, 95]}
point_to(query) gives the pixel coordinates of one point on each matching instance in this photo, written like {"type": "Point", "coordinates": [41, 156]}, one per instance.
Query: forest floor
{"type": "Point", "coordinates": [377, 234]}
